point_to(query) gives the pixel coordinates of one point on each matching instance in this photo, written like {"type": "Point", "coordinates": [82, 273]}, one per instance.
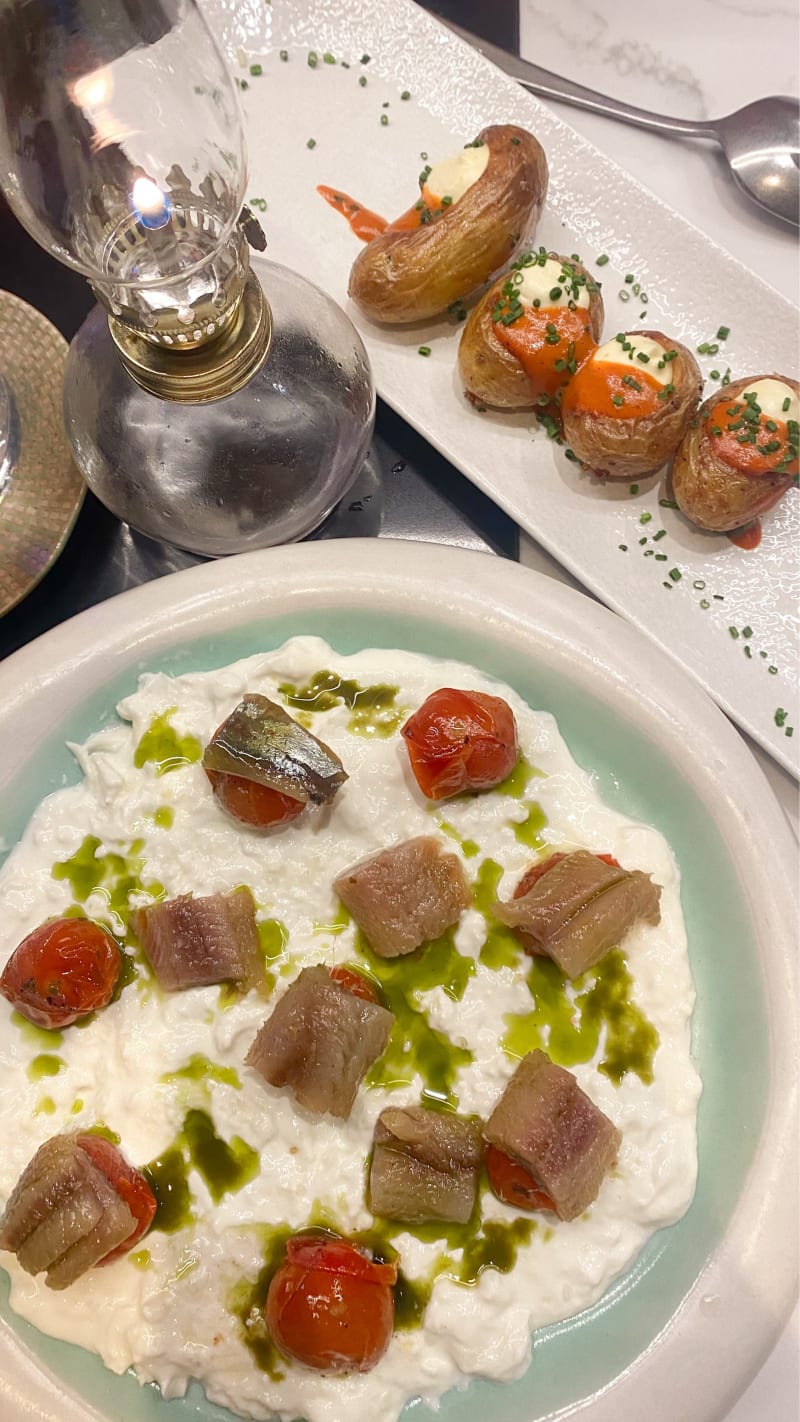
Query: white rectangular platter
{"type": "Point", "coordinates": [728, 615]}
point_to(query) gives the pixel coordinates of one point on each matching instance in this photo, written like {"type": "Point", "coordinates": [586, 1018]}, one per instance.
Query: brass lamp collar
{"type": "Point", "coordinates": [201, 373]}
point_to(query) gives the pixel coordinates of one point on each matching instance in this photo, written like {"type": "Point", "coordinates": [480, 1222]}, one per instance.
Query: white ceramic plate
{"type": "Point", "coordinates": [593, 207]}
{"type": "Point", "coordinates": [681, 1333]}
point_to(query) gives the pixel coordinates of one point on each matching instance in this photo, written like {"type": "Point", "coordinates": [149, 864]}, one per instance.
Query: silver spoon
{"type": "Point", "coordinates": [761, 141]}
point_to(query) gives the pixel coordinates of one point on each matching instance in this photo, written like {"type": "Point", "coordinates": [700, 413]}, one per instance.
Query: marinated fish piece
{"type": "Point", "coordinates": [425, 1165]}
{"type": "Point", "coordinates": [319, 1041]}
{"type": "Point", "coordinates": [546, 1122]}
{"type": "Point", "coordinates": [196, 942]}
{"type": "Point", "coordinates": [579, 908]}
{"type": "Point", "coordinates": [260, 741]}
{"type": "Point", "coordinates": [64, 1216]}
{"type": "Point", "coordinates": [405, 895]}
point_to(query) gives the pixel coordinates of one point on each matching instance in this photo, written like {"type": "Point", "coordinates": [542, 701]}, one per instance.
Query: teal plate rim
{"type": "Point", "coordinates": [565, 654]}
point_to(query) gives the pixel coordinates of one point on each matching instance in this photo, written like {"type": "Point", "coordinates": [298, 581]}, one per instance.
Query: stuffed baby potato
{"type": "Point", "coordinates": [740, 454]}
{"type": "Point", "coordinates": [630, 404]}
{"type": "Point", "coordinates": [473, 211]}
{"type": "Point", "coordinates": [527, 336]}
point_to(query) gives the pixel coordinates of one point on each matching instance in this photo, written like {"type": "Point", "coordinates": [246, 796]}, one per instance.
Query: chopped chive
{"type": "Point", "coordinates": [662, 533]}
{"type": "Point", "coordinates": [781, 716]}
{"type": "Point", "coordinates": [747, 631]}
{"type": "Point", "coordinates": [723, 333]}
{"type": "Point", "coordinates": [364, 59]}
{"type": "Point", "coordinates": [602, 260]}
{"type": "Point", "coordinates": [714, 375]}
{"type": "Point", "coordinates": [667, 503]}
{"type": "Point", "coordinates": [313, 61]}
{"type": "Point", "coordinates": [650, 553]}
{"type": "Point", "coordinates": [773, 671]}
{"type": "Point", "coordinates": [645, 517]}
{"type": "Point", "coordinates": [363, 81]}
{"type": "Point", "coordinates": [661, 557]}
{"type": "Point", "coordinates": [624, 296]}
{"type": "Point", "coordinates": [311, 143]}
{"type": "Point", "coordinates": [384, 119]}
{"type": "Point", "coordinates": [645, 359]}
{"type": "Point", "coordinates": [698, 584]}
{"type": "Point", "coordinates": [424, 351]}
{"type": "Point", "coordinates": [634, 489]}
{"type": "Point", "coordinates": [617, 400]}
{"type": "Point", "coordinates": [256, 70]}
{"type": "Point", "coordinates": [705, 604]}
{"type": "Point", "coordinates": [629, 278]}
{"type": "Point", "coordinates": [642, 541]}
{"type": "Point", "coordinates": [623, 547]}
{"type": "Point", "coordinates": [703, 348]}
{"type": "Point", "coordinates": [571, 455]}
{"type": "Point", "coordinates": [748, 650]}
{"type": "Point", "coordinates": [284, 55]}
{"type": "Point", "coordinates": [787, 402]}
{"type": "Point", "coordinates": [734, 631]}
{"type": "Point", "coordinates": [675, 574]}
{"type": "Point", "coordinates": [328, 58]}
{"type": "Point", "coordinates": [406, 94]}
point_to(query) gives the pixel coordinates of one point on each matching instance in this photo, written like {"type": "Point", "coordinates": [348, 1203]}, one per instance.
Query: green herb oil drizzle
{"type": "Point", "coordinates": [373, 708]}
{"type": "Point", "coordinates": [162, 747]}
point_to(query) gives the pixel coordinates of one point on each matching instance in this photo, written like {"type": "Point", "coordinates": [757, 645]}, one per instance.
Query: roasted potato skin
{"type": "Point", "coordinates": [623, 449]}
{"type": "Point", "coordinates": [706, 489]}
{"type": "Point", "coordinates": [406, 276]}
{"type": "Point", "coordinates": [490, 374]}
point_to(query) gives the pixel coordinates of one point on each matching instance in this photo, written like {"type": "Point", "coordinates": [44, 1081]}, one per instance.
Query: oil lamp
{"type": "Point", "coordinates": [201, 408]}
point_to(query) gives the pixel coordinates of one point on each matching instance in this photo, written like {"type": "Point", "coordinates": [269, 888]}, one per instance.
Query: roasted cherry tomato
{"type": "Point", "coordinates": [514, 1184]}
{"type": "Point", "coordinates": [354, 982]}
{"type": "Point", "coordinates": [541, 867]}
{"type": "Point", "coordinates": [330, 1306]}
{"type": "Point", "coordinates": [253, 804]}
{"type": "Point", "coordinates": [461, 740]}
{"type": "Point", "coordinates": [532, 875]}
{"type": "Point", "coordinates": [129, 1184]}
{"type": "Point", "coordinates": [64, 969]}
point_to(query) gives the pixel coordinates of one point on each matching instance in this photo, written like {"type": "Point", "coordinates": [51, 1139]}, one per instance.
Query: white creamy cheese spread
{"type": "Point", "coordinates": [771, 396]}
{"type": "Point", "coordinates": [542, 286]}
{"type": "Point", "coordinates": [451, 177]}
{"type": "Point", "coordinates": [166, 1311]}
{"type": "Point", "coordinates": [612, 353]}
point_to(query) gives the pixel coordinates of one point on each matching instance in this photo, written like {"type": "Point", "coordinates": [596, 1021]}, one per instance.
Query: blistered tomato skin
{"type": "Point", "coordinates": [129, 1184]}
{"type": "Point", "coordinates": [253, 804]}
{"type": "Point", "coordinates": [461, 740]}
{"type": "Point", "coordinates": [512, 1183]}
{"type": "Point", "coordinates": [355, 983]}
{"type": "Point", "coordinates": [65, 969]}
{"type": "Point", "coordinates": [331, 1307]}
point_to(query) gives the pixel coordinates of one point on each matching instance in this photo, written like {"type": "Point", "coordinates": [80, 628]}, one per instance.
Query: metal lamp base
{"type": "Point", "coordinates": [262, 466]}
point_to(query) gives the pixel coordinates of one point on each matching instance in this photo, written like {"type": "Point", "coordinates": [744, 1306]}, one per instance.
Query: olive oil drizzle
{"type": "Point", "coordinates": [115, 877]}
{"type": "Point", "coordinates": [373, 709]}
{"type": "Point", "coordinates": [414, 1046]}
{"type": "Point", "coordinates": [163, 747]}
{"type": "Point", "coordinates": [568, 1019]}
{"type": "Point", "coordinates": [224, 1166]}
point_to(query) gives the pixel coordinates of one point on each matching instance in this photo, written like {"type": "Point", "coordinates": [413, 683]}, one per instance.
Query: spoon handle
{"type": "Point", "coordinates": [553, 86]}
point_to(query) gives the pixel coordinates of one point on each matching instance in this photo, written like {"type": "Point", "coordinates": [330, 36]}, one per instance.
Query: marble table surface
{"type": "Point", "coordinates": [692, 59]}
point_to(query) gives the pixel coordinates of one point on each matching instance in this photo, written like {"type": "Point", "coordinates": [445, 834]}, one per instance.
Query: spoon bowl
{"type": "Point", "coordinates": [762, 145]}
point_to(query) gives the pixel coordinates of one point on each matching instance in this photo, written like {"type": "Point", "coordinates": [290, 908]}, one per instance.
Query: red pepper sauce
{"type": "Point", "coordinates": [366, 224]}
{"type": "Point", "coordinates": [743, 437]}
{"type": "Point", "coordinates": [748, 537]}
{"type": "Point", "coordinates": [363, 223]}
{"type": "Point", "coordinates": [620, 392]}
{"type": "Point", "coordinates": [549, 343]}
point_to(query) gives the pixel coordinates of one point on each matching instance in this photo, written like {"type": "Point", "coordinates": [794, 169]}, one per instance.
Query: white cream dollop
{"type": "Point", "coordinates": [643, 353]}
{"type": "Point", "coordinates": [450, 177]}
{"type": "Point", "coordinates": [537, 283]}
{"type": "Point", "coordinates": [771, 396]}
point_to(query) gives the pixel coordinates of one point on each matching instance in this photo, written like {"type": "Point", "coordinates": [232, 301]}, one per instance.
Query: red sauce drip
{"type": "Point", "coordinates": [603, 389]}
{"type": "Point", "coordinates": [426, 209]}
{"type": "Point", "coordinates": [362, 222]}
{"type": "Point", "coordinates": [748, 537]}
{"type": "Point", "coordinates": [548, 365]}
{"type": "Point", "coordinates": [732, 439]}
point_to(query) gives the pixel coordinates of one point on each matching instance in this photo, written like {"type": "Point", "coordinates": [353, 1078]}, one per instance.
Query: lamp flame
{"type": "Point", "coordinates": [151, 205]}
